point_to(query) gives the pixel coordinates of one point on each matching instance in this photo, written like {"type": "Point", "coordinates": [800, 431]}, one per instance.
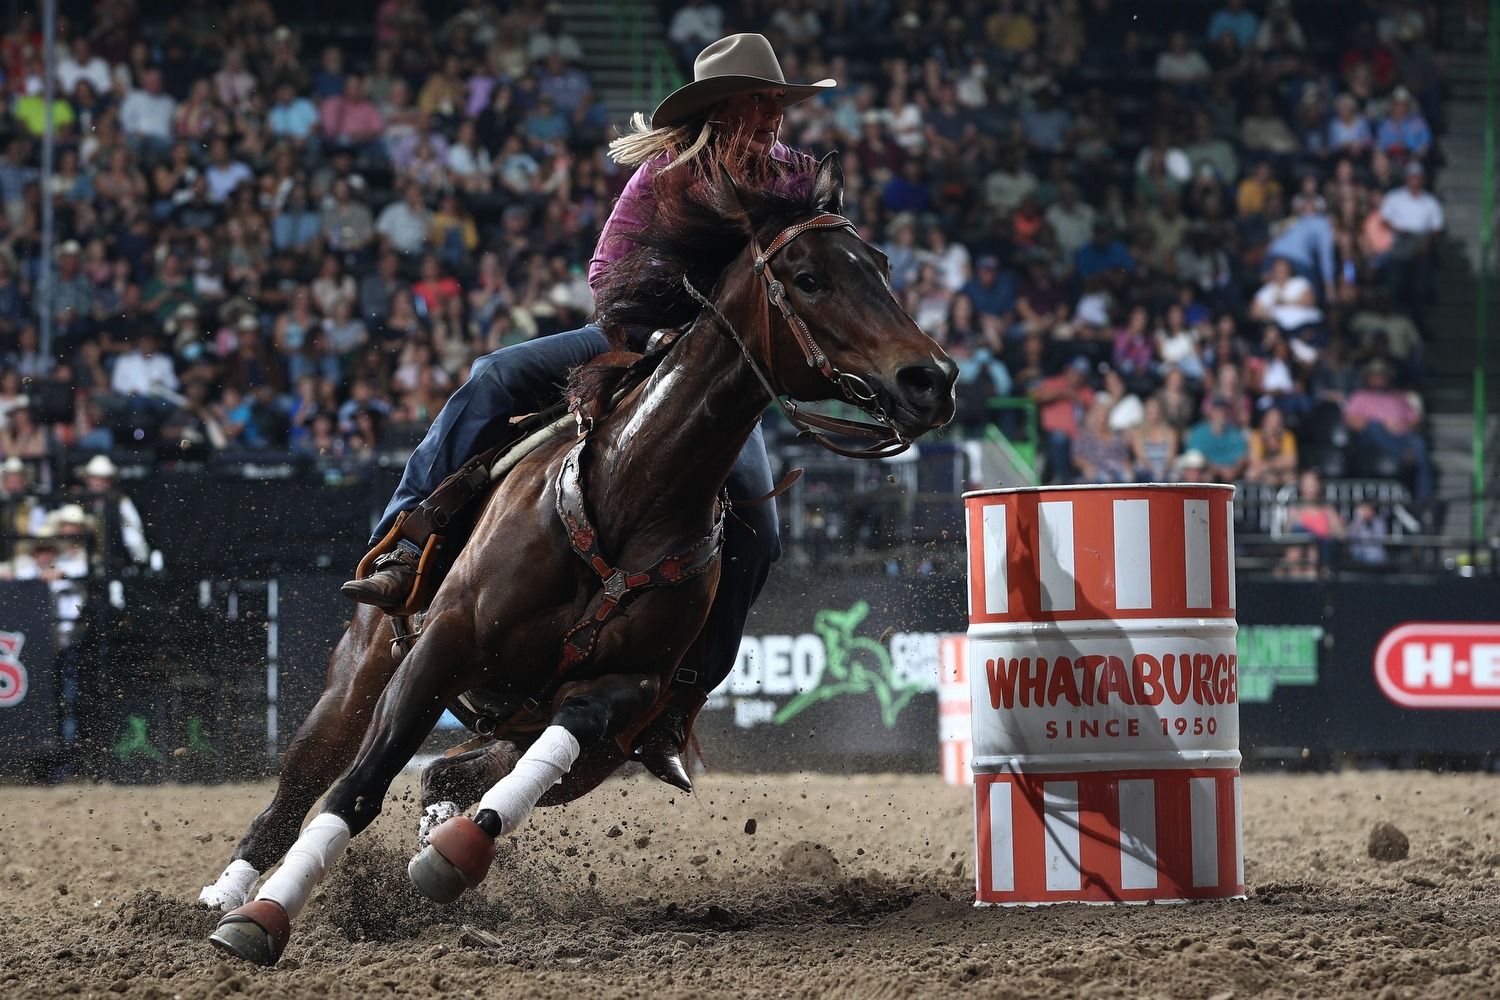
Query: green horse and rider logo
{"type": "Point", "coordinates": [834, 662]}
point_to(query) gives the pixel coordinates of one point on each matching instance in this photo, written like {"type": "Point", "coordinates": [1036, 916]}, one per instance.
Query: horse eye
{"type": "Point", "coordinates": [807, 282]}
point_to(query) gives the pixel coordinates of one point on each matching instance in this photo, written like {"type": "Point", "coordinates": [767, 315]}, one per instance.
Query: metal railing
{"type": "Point", "coordinates": [653, 71]}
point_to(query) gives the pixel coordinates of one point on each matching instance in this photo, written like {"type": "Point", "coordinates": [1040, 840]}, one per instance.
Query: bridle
{"type": "Point", "coordinates": [809, 423]}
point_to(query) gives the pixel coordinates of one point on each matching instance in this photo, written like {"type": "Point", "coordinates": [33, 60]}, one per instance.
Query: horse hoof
{"type": "Point", "coordinates": [433, 817]}
{"type": "Point", "coordinates": [256, 932]}
{"type": "Point", "coordinates": [457, 857]}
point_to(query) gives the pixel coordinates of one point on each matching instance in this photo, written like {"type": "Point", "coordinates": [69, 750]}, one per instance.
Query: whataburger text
{"type": "Point", "coordinates": [1097, 679]}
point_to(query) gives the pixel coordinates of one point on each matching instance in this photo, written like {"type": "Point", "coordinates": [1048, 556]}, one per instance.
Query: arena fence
{"type": "Point", "coordinates": [837, 672]}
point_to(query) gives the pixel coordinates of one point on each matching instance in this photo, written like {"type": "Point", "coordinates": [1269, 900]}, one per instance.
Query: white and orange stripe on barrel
{"type": "Point", "coordinates": [1104, 694]}
{"type": "Point", "coordinates": [954, 725]}
{"type": "Point", "coordinates": [1080, 553]}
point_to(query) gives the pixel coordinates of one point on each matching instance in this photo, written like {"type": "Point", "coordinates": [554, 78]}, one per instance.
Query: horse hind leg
{"type": "Point", "coordinates": [325, 744]}
{"type": "Point", "coordinates": [460, 851]}
{"type": "Point", "coordinates": [452, 784]}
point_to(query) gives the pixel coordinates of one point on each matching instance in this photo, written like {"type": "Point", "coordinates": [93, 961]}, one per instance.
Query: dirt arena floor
{"type": "Point", "coordinates": [786, 886]}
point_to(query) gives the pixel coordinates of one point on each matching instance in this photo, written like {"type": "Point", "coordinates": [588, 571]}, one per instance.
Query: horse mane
{"type": "Point", "coordinates": [703, 220]}
{"type": "Point", "coordinates": [593, 386]}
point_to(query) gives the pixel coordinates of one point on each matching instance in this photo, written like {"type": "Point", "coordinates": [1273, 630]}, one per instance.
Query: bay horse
{"type": "Point", "coordinates": [579, 653]}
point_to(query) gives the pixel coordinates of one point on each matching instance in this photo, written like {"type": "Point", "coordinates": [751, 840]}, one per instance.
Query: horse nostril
{"type": "Point", "coordinates": [921, 383]}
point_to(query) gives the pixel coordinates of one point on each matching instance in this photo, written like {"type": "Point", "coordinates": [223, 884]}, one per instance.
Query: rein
{"type": "Point", "coordinates": [809, 423]}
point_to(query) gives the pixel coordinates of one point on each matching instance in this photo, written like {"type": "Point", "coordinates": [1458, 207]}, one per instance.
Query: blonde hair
{"type": "Point", "coordinates": [642, 142]}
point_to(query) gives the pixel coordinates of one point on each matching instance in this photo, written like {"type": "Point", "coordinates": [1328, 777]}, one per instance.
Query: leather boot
{"type": "Point", "coordinates": [389, 586]}
{"type": "Point", "coordinates": [662, 746]}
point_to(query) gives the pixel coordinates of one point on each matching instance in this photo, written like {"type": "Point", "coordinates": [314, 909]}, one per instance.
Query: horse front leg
{"type": "Point", "coordinates": [327, 741]}
{"type": "Point", "coordinates": [452, 784]}
{"type": "Point", "coordinates": [441, 666]}
{"type": "Point", "coordinates": [459, 853]}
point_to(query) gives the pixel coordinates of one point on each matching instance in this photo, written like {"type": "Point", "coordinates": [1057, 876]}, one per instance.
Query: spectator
{"type": "Point", "coordinates": [349, 119]}
{"type": "Point", "coordinates": [23, 436]}
{"type": "Point", "coordinates": [1286, 299]}
{"type": "Point", "coordinates": [1182, 65]}
{"type": "Point", "coordinates": [1233, 19]}
{"type": "Point", "coordinates": [72, 292]}
{"type": "Point", "coordinates": [329, 79]}
{"type": "Point", "coordinates": [331, 287]}
{"type": "Point", "coordinates": [1315, 524]}
{"type": "Point", "coordinates": [82, 63]}
{"type": "Point", "coordinates": [1273, 452]}
{"type": "Point", "coordinates": [1257, 191]}
{"type": "Point", "coordinates": [1386, 424]}
{"type": "Point", "coordinates": [693, 27]}
{"type": "Point", "coordinates": [30, 109]}
{"type": "Point", "coordinates": [146, 114]}
{"type": "Point", "coordinates": [293, 116]}
{"type": "Point", "coordinates": [1153, 444]}
{"type": "Point", "coordinates": [1060, 399]}
{"type": "Point", "coordinates": [378, 290]}
{"type": "Point", "coordinates": [404, 224]}
{"type": "Point", "coordinates": [223, 173]}
{"type": "Point", "coordinates": [1099, 452]}
{"type": "Point", "coordinates": [1363, 537]}
{"type": "Point", "coordinates": [552, 39]}
{"type": "Point", "coordinates": [1104, 255]}
{"type": "Point", "coordinates": [347, 224]}
{"type": "Point", "coordinates": [1416, 220]}
{"type": "Point", "coordinates": [1307, 244]}
{"type": "Point", "coordinates": [296, 227]}
{"type": "Point", "coordinates": [1265, 133]}
{"type": "Point", "coordinates": [1349, 131]}
{"type": "Point", "coordinates": [992, 290]}
{"type": "Point", "coordinates": [233, 84]}
{"type": "Point", "coordinates": [144, 377]}
{"type": "Point", "coordinates": [1071, 221]}
{"type": "Point", "coordinates": [1221, 442]}
{"type": "Point", "coordinates": [1404, 134]}
{"type": "Point", "coordinates": [123, 529]}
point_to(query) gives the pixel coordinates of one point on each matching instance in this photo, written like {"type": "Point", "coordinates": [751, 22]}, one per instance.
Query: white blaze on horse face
{"type": "Point", "coordinates": [321, 844]}
{"type": "Point", "coordinates": [233, 888]}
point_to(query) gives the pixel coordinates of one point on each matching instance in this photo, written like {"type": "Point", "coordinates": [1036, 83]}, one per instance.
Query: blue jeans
{"type": "Point", "coordinates": [1402, 448]}
{"type": "Point", "coordinates": [527, 378]}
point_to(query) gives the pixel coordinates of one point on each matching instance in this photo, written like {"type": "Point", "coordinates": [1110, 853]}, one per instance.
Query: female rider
{"type": "Point", "coordinates": [732, 108]}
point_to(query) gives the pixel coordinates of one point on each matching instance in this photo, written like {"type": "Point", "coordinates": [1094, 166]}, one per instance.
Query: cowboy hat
{"type": "Point", "coordinates": [13, 464]}
{"type": "Point", "coordinates": [733, 65]}
{"type": "Point", "coordinates": [71, 515]}
{"type": "Point", "coordinates": [100, 467]}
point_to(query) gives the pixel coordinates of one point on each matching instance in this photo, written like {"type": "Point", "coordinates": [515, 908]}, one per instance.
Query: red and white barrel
{"type": "Point", "coordinates": [955, 728]}
{"type": "Point", "coordinates": [1104, 694]}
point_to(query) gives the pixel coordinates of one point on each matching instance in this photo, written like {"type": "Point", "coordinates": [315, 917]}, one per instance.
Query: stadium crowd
{"type": "Point", "coordinates": [1200, 241]}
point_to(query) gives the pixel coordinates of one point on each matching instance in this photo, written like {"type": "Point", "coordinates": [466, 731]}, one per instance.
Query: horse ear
{"type": "Point", "coordinates": [828, 185]}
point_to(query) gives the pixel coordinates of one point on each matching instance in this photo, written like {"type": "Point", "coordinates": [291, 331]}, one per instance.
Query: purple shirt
{"type": "Point", "coordinates": [637, 204]}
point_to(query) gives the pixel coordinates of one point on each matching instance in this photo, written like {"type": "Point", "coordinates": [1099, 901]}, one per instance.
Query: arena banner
{"type": "Point", "coordinates": [29, 715]}
{"type": "Point", "coordinates": [836, 672]}
{"type": "Point", "coordinates": [840, 671]}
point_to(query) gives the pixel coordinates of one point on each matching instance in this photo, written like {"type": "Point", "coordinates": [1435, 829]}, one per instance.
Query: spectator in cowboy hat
{"type": "Point", "coordinates": [123, 531]}
{"type": "Point", "coordinates": [20, 512]}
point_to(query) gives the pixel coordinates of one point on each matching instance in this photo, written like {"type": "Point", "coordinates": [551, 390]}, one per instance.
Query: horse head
{"type": "Point", "coordinates": [834, 329]}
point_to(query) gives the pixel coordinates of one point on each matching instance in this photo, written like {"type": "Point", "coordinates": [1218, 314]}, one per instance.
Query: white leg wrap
{"type": "Point", "coordinates": [433, 817]}
{"type": "Point", "coordinates": [541, 767]}
{"type": "Point", "coordinates": [233, 887]}
{"type": "Point", "coordinates": [306, 863]}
